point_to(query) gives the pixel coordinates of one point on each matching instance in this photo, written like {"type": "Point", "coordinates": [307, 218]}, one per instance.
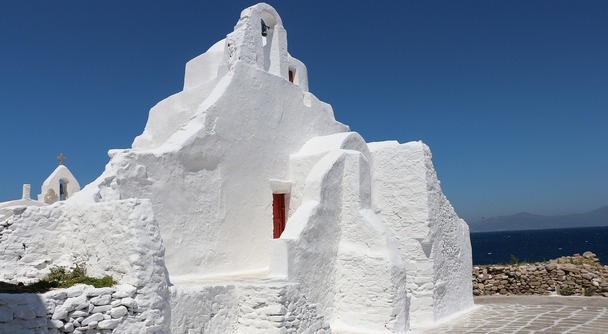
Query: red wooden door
{"type": "Point", "coordinates": [278, 214]}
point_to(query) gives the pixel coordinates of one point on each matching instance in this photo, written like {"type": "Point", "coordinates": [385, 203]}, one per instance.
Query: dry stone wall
{"type": "Point", "coordinates": [569, 275]}
{"type": "Point", "coordinates": [79, 309]}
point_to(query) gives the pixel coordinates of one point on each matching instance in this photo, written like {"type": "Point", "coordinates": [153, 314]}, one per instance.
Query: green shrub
{"type": "Point", "coordinates": [588, 292]}
{"type": "Point", "coordinates": [566, 291]}
{"type": "Point", "coordinates": [57, 274]}
{"type": "Point", "coordinates": [60, 277]}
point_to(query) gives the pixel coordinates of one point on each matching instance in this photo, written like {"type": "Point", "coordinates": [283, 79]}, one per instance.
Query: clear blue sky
{"type": "Point", "coordinates": [511, 96]}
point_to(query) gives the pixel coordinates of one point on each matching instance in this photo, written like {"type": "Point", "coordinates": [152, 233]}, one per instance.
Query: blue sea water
{"type": "Point", "coordinates": [539, 245]}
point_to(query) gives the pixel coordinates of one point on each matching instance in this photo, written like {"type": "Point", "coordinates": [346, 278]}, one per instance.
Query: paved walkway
{"type": "Point", "coordinates": [530, 314]}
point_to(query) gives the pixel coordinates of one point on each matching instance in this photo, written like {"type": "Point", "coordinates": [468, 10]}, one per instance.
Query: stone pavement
{"type": "Point", "coordinates": [529, 314]}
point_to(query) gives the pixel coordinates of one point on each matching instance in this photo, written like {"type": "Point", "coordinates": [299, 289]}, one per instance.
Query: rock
{"type": "Point", "coordinates": [101, 300]}
{"type": "Point", "coordinates": [60, 313]}
{"type": "Point", "coordinates": [550, 267]}
{"type": "Point", "coordinates": [55, 323]}
{"type": "Point", "coordinates": [69, 327]}
{"type": "Point", "coordinates": [118, 312]}
{"type": "Point", "coordinates": [588, 255]}
{"type": "Point", "coordinates": [127, 289]}
{"type": "Point", "coordinates": [56, 295]}
{"type": "Point", "coordinates": [100, 292]}
{"type": "Point", "coordinates": [101, 309]}
{"type": "Point", "coordinates": [79, 313]}
{"type": "Point", "coordinates": [76, 303]}
{"type": "Point", "coordinates": [570, 268]}
{"type": "Point", "coordinates": [129, 302]}
{"type": "Point", "coordinates": [6, 314]}
{"type": "Point", "coordinates": [75, 290]}
{"type": "Point", "coordinates": [108, 324]}
{"type": "Point", "coordinates": [34, 323]}
{"type": "Point", "coordinates": [95, 317]}
{"type": "Point", "coordinates": [23, 312]}
{"type": "Point", "coordinates": [579, 275]}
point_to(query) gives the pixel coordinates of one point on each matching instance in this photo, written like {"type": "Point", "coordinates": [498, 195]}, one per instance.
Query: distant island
{"type": "Point", "coordinates": [528, 221]}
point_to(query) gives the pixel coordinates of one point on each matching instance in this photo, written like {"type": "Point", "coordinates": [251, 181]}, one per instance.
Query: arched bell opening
{"type": "Point", "coordinates": [63, 190]}
{"type": "Point", "coordinates": [270, 42]}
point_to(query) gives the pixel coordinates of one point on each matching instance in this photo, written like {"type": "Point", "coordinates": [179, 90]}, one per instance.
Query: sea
{"type": "Point", "coordinates": [538, 245]}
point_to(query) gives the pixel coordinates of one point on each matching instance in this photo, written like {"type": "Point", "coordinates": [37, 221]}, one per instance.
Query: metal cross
{"type": "Point", "coordinates": [61, 158]}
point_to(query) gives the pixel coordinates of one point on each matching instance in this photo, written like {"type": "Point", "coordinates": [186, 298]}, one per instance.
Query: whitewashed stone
{"type": "Point", "coordinates": [24, 312]}
{"type": "Point", "coordinates": [94, 317]}
{"type": "Point", "coordinates": [40, 311]}
{"type": "Point", "coordinates": [69, 327]}
{"type": "Point", "coordinates": [101, 300]}
{"type": "Point", "coordinates": [119, 295]}
{"type": "Point", "coordinates": [118, 312]}
{"type": "Point", "coordinates": [127, 289]}
{"type": "Point", "coordinates": [76, 303]}
{"type": "Point", "coordinates": [101, 309]}
{"type": "Point", "coordinates": [6, 314]}
{"type": "Point", "coordinates": [76, 290]}
{"type": "Point", "coordinates": [56, 323]}
{"type": "Point", "coordinates": [35, 323]}
{"type": "Point", "coordinates": [108, 324]}
{"type": "Point", "coordinates": [129, 303]}
{"type": "Point", "coordinates": [50, 306]}
{"type": "Point", "coordinates": [99, 292]}
{"type": "Point", "coordinates": [80, 313]}
{"type": "Point", "coordinates": [61, 312]}
{"type": "Point", "coordinates": [56, 294]}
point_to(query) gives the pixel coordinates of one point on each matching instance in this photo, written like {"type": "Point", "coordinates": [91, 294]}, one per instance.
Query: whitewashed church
{"type": "Point", "coordinates": [59, 186]}
{"type": "Point", "coordinates": [245, 207]}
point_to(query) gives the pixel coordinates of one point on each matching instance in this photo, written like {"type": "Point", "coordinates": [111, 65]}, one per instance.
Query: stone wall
{"type": "Point", "coordinates": [252, 308]}
{"type": "Point", "coordinates": [569, 275]}
{"type": "Point", "coordinates": [118, 238]}
{"type": "Point", "coordinates": [79, 309]}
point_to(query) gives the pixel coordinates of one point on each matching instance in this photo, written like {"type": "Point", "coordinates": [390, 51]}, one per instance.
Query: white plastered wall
{"type": "Point", "coordinates": [432, 240]}
{"type": "Point", "coordinates": [302, 162]}
{"type": "Point", "coordinates": [208, 171]}
{"type": "Point", "coordinates": [337, 248]}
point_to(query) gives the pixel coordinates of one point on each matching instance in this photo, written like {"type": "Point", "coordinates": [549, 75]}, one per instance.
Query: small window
{"type": "Point", "coordinates": [292, 75]}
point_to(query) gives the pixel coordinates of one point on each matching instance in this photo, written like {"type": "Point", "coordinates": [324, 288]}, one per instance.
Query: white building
{"type": "Point", "coordinates": [245, 207]}
{"type": "Point", "coordinates": [59, 186]}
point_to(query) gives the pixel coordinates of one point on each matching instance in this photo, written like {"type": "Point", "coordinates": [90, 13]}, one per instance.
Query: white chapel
{"type": "Point", "coordinates": [246, 207]}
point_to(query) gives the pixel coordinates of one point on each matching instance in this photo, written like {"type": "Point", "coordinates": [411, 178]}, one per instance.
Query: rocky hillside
{"type": "Point", "coordinates": [528, 221]}
{"type": "Point", "coordinates": [581, 275]}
